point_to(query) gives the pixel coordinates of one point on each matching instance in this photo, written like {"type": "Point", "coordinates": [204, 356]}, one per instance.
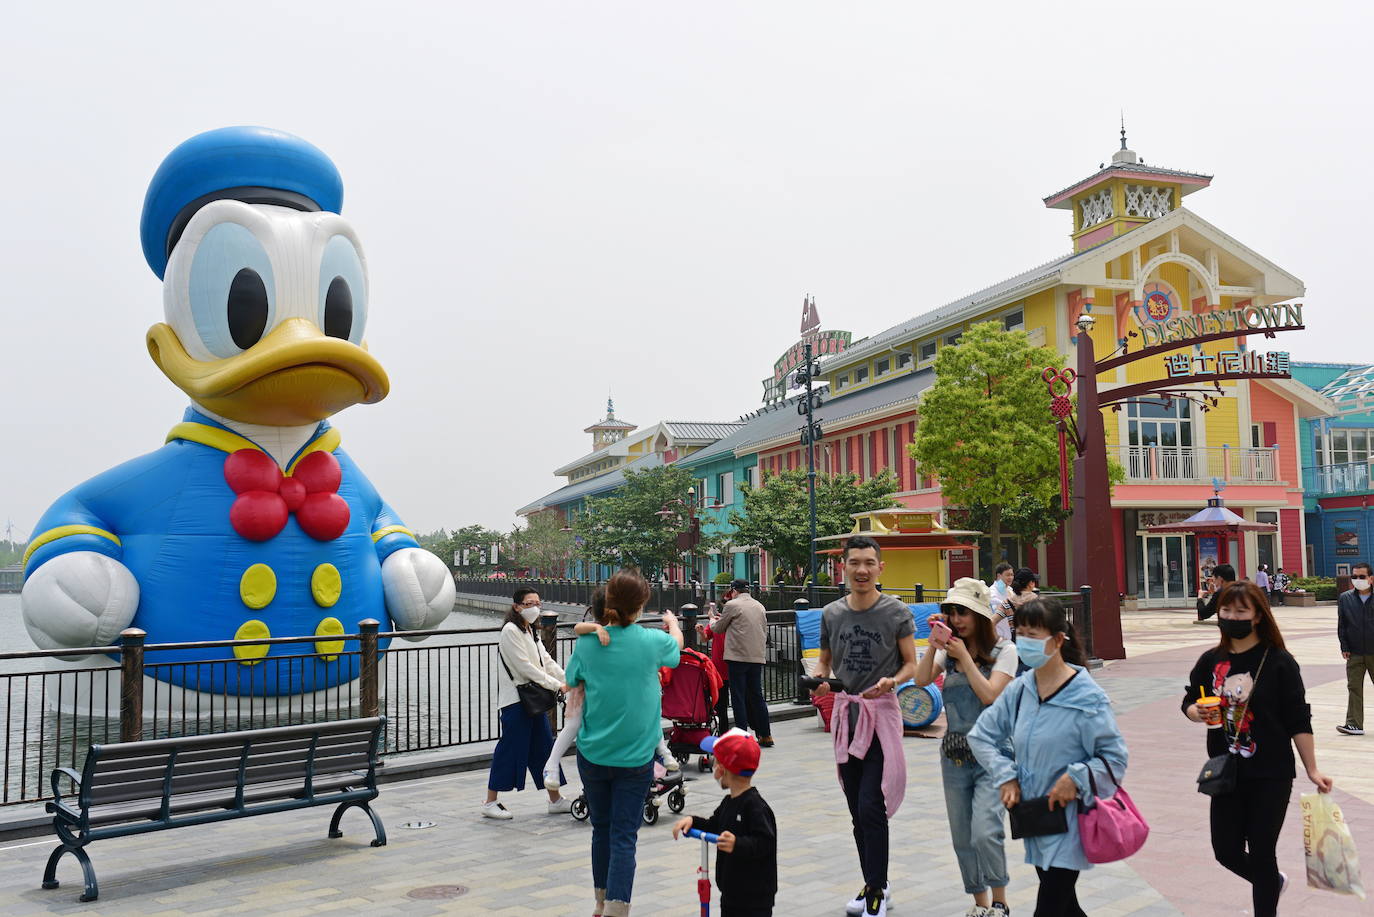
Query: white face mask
{"type": "Point", "coordinates": [530, 614]}
{"type": "Point", "coordinates": [1361, 584]}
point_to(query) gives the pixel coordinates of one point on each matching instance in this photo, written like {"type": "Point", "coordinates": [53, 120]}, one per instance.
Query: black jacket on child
{"type": "Point", "coordinates": [747, 876]}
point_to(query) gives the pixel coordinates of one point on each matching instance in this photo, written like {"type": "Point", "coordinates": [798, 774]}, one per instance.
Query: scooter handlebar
{"type": "Point", "coordinates": [703, 835]}
{"type": "Point", "coordinates": [810, 683]}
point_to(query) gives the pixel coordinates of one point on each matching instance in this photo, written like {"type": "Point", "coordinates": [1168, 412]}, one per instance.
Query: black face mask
{"type": "Point", "coordinates": [1236, 630]}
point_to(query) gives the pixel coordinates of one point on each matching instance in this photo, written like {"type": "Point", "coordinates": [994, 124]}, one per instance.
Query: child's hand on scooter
{"type": "Point", "coordinates": [726, 844]}
{"type": "Point", "coordinates": [682, 826]}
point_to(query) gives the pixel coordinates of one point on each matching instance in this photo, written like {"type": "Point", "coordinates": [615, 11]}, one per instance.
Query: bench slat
{"type": "Point", "coordinates": [188, 744]}
{"type": "Point", "coordinates": [214, 799]}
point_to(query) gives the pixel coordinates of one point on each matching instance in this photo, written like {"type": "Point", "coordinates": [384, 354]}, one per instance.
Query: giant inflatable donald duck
{"type": "Point", "coordinates": [250, 521]}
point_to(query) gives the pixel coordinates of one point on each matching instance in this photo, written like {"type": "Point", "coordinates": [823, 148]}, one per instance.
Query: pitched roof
{"type": "Point", "coordinates": [592, 486]}
{"type": "Point", "coordinates": [1130, 170]}
{"type": "Point", "coordinates": [679, 429]}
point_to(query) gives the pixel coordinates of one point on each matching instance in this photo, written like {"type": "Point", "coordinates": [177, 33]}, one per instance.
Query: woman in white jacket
{"type": "Point", "coordinates": [526, 739]}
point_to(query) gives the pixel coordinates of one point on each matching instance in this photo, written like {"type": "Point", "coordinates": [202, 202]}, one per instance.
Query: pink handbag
{"type": "Point", "coordinates": [1113, 828]}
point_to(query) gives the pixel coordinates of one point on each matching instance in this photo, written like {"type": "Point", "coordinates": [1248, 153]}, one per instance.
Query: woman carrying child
{"type": "Point", "coordinates": [593, 623]}
{"type": "Point", "coordinates": [977, 667]}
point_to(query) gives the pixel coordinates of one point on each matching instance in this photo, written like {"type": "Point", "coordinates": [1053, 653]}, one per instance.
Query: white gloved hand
{"type": "Point", "coordinates": [79, 599]}
{"type": "Point", "coordinates": [419, 589]}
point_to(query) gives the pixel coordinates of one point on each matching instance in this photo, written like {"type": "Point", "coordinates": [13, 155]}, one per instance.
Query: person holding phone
{"type": "Point", "coordinates": [1040, 740]}
{"type": "Point", "coordinates": [977, 667]}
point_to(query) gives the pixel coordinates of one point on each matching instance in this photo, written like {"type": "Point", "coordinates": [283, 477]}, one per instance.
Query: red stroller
{"type": "Point", "coordinates": [690, 693]}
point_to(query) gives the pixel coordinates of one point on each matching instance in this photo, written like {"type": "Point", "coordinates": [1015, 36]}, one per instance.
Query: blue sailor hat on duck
{"type": "Point", "coordinates": [256, 165]}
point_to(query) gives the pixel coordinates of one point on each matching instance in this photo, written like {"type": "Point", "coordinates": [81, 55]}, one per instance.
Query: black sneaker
{"type": "Point", "coordinates": [999, 909]}
{"type": "Point", "coordinates": [1350, 729]}
{"type": "Point", "coordinates": [875, 905]}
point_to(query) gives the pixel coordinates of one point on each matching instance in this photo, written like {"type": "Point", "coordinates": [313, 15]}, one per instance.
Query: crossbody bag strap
{"type": "Point", "coordinates": [1245, 708]}
{"type": "Point", "coordinates": [509, 673]}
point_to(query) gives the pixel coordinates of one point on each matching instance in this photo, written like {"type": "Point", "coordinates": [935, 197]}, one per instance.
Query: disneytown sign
{"type": "Point", "coordinates": [1219, 324]}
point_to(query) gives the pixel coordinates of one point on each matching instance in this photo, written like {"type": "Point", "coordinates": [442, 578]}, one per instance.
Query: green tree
{"type": "Point", "coordinates": [987, 434]}
{"type": "Point", "coordinates": [630, 528]}
{"type": "Point", "coordinates": [776, 516]}
{"type": "Point", "coordinates": [544, 546]}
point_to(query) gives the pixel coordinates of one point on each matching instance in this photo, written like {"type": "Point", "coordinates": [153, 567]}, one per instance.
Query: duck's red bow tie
{"type": "Point", "coordinates": [266, 497]}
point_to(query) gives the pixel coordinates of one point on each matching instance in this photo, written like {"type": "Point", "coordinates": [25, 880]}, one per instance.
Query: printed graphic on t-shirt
{"type": "Point", "coordinates": [1234, 691]}
{"type": "Point", "coordinates": [862, 648]}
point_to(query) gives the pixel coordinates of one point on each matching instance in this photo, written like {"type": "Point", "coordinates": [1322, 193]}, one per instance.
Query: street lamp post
{"type": "Point", "coordinates": [810, 435]}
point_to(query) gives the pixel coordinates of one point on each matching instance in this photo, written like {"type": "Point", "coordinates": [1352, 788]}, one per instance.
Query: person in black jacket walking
{"type": "Point", "coordinates": [1222, 576]}
{"type": "Point", "coordinates": [747, 853]}
{"type": "Point", "coordinates": [1355, 630]}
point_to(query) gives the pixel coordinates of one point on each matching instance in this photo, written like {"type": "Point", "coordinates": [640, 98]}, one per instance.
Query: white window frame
{"type": "Point", "coordinates": [882, 367]}
{"type": "Point", "coordinates": [904, 359]}
{"type": "Point", "coordinates": [841, 381]}
{"type": "Point", "coordinates": [922, 359]}
{"type": "Point", "coordinates": [953, 338]}
{"type": "Point", "coordinates": [1020, 325]}
{"type": "Point", "coordinates": [860, 375]}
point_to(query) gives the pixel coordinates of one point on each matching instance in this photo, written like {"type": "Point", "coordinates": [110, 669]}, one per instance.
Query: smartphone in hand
{"type": "Point", "coordinates": [940, 632]}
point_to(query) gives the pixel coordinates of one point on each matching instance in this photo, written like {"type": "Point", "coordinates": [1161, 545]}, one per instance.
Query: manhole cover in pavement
{"type": "Point", "coordinates": [417, 825]}
{"type": "Point", "coordinates": [437, 892]}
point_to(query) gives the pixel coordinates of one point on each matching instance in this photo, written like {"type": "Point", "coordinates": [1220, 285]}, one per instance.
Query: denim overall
{"type": "Point", "coordinates": [973, 803]}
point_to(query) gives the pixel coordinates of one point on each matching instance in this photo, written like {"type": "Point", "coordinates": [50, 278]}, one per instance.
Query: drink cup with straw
{"type": "Point", "coordinates": [1209, 708]}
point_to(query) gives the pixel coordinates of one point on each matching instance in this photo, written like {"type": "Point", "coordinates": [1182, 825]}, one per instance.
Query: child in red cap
{"type": "Point", "coordinates": [747, 854]}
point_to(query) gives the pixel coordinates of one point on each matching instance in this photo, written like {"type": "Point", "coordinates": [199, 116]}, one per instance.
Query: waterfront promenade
{"type": "Point", "coordinates": [537, 864]}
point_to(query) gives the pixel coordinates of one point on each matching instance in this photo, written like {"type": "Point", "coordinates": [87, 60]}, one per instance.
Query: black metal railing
{"type": "Point", "coordinates": [676, 595]}
{"type": "Point", "coordinates": [437, 688]}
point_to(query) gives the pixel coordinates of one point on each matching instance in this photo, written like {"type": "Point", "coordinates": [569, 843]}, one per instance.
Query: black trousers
{"type": "Point", "coordinates": [746, 696]}
{"type": "Point", "coordinates": [1245, 831]}
{"type": "Point", "coordinates": [730, 909]}
{"type": "Point", "coordinates": [723, 703]}
{"type": "Point", "coordinates": [1058, 897]}
{"type": "Point", "coordinates": [863, 790]}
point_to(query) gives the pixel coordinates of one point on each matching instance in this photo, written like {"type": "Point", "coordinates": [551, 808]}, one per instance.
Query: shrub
{"type": "Point", "coordinates": [1324, 587]}
{"type": "Point", "coordinates": [724, 578]}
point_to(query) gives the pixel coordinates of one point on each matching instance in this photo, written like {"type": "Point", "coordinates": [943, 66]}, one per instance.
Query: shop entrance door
{"type": "Point", "coordinates": [1164, 577]}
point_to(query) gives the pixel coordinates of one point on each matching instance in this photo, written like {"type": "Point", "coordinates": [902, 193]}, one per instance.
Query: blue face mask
{"type": "Point", "coordinates": [1032, 651]}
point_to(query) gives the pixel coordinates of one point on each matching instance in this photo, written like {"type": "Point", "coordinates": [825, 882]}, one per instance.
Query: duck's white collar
{"type": "Point", "coordinates": [282, 443]}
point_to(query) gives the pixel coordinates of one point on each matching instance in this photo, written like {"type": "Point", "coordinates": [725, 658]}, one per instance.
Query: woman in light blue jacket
{"type": "Point", "coordinates": [1060, 724]}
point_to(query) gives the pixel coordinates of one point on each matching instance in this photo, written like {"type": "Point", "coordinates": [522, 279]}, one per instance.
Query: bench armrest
{"type": "Point", "coordinates": [57, 774]}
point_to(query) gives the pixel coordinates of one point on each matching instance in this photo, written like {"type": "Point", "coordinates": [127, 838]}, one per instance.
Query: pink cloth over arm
{"type": "Point", "coordinates": [881, 718]}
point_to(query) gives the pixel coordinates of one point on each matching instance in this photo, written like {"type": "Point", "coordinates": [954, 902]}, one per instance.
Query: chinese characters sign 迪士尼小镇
{"type": "Point", "coordinates": [1228, 362]}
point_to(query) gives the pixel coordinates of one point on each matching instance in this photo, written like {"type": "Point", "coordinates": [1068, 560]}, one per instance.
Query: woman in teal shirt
{"type": "Point", "coordinates": [621, 727]}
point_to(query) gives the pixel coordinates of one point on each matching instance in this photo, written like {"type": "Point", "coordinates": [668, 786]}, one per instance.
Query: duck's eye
{"type": "Point", "coordinates": [231, 290]}
{"type": "Point", "coordinates": [247, 308]}
{"type": "Point", "coordinates": [338, 309]}
{"type": "Point", "coordinates": [343, 290]}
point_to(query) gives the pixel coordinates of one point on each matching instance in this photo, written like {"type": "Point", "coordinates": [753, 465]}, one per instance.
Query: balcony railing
{"type": "Point", "coordinates": [1194, 464]}
{"type": "Point", "coordinates": [1345, 478]}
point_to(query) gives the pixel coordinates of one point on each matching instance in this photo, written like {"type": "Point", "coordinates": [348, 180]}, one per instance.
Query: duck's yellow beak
{"type": "Point", "coordinates": [295, 375]}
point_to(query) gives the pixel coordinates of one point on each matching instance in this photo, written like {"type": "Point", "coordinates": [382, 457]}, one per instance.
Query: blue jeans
{"type": "Point", "coordinates": [974, 807]}
{"type": "Point", "coordinates": [746, 696]}
{"type": "Point", "coordinates": [615, 802]}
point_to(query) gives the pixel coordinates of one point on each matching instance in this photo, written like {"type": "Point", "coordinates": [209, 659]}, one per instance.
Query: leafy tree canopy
{"type": "Point", "coordinates": [776, 515]}
{"type": "Point", "coordinates": [628, 527]}
{"type": "Point", "coordinates": [544, 546]}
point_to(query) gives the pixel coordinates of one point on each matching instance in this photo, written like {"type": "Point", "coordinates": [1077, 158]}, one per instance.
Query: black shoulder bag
{"type": "Point", "coordinates": [1034, 817]}
{"type": "Point", "coordinates": [534, 699]}
{"type": "Point", "coordinates": [1218, 775]}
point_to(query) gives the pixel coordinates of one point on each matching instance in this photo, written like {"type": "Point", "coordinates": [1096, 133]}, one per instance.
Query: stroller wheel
{"type": "Point", "coordinates": [579, 808]}
{"type": "Point", "coordinates": [704, 764]}
{"type": "Point", "coordinates": [677, 801]}
{"type": "Point", "coordinates": [650, 813]}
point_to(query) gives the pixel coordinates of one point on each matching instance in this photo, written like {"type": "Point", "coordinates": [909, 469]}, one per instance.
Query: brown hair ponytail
{"type": "Point", "coordinates": [626, 593]}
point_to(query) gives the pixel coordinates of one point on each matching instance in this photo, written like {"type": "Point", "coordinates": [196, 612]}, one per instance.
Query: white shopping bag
{"type": "Point", "coordinates": [1332, 863]}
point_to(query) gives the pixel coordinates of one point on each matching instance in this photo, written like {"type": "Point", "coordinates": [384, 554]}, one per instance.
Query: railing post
{"type": "Point", "coordinates": [1085, 625]}
{"type": "Point", "coordinates": [803, 696]}
{"type": "Point", "coordinates": [1226, 461]}
{"type": "Point", "coordinates": [367, 666]}
{"type": "Point", "coordinates": [920, 591]}
{"type": "Point", "coordinates": [131, 684]}
{"type": "Point", "coordinates": [689, 625]}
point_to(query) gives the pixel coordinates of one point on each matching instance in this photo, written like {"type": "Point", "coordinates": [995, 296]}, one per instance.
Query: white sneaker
{"type": "Point", "coordinates": [978, 910]}
{"type": "Point", "coordinates": [494, 809]}
{"type": "Point", "coordinates": [551, 780]}
{"type": "Point", "coordinates": [856, 905]}
{"type": "Point", "coordinates": [560, 806]}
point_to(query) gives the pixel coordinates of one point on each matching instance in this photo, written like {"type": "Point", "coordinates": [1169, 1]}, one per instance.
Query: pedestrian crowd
{"type": "Point", "coordinates": [1030, 736]}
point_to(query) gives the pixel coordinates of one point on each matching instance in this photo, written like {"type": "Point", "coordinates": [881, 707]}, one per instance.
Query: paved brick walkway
{"type": "Point", "coordinates": [537, 864]}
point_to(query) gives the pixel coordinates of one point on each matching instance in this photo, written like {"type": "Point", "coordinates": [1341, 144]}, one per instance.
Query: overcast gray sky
{"type": "Point", "coordinates": [557, 199]}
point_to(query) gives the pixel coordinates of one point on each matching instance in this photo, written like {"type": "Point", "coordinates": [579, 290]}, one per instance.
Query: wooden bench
{"type": "Point", "coordinates": [136, 787]}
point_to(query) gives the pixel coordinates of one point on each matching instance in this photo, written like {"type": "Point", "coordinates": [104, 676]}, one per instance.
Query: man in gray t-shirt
{"type": "Point", "coordinates": [868, 641]}
{"type": "Point", "coordinates": [864, 644]}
